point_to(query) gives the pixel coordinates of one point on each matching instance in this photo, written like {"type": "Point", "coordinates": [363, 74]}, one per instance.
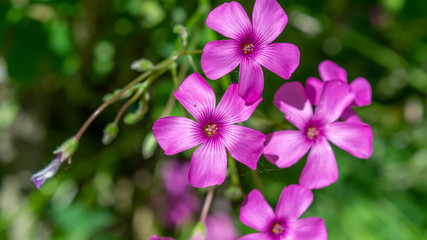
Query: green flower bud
{"type": "Point", "coordinates": [110, 132]}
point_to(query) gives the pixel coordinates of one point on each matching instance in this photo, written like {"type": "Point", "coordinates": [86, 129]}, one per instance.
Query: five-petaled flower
{"type": "Point", "coordinates": [250, 46]}
{"type": "Point", "coordinates": [328, 71]}
{"type": "Point", "coordinates": [285, 148]}
{"type": "Point", "coordinates": [214, 130]}
{"type": "Point", "coordinates": [283, 223]}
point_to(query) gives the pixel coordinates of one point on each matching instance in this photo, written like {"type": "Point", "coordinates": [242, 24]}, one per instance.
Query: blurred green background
{"type": "Point", "coordinates": [59, 58]}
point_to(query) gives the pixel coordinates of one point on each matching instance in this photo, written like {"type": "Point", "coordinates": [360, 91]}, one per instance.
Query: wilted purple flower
{"type": "Point", "coordinates": [328, 71]}
{"type": "Point", "coordinates": [49, 171]}
{"type": "Point", "coordinates": [250, 46]}
{"type": "Point", "coordinates": [220, 226]}
{"type": "Point", "coordinates": [285, 148]}
{"type": "Point", "coordinates": [283, 223]}
{"type": "Point", "coordinates": [214, 131]}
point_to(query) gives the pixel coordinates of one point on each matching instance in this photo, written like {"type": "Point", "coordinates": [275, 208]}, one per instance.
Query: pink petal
{"type": "Point", "coordinates": [232, 108]}
{"type": "Point", "coordinates": [268, 20]}
{"type": "Point", "coordinates": [244, 144]}
{"type": "Point", "coordinates": [197, 97]}
{"type": "Point", "coordinates": [362, 91]}
{"type": "Point", "coordinates": [355, 138]}
{"type": "Point", "coordinates": [280, 58]}
{"type": "Point", "coordinates": [313, 89]}
{"type": "Point", "coordinates": [220, 226]}
{"type": "Point", "coordinates": [349, 115]}
{"type": "Point", "coordinates": [321, 167]}
{"type": "Point", "coordinates": [155, 237]}
{"type": "Point", "coordinates": [257, 236]}
{"type": "Point", "coordinates": [220, 57]}
{"type": "Point", "coordinates": [293, 202]}
{"type": "Point", "coordinates": [291, 100]}
{"type": "Point", "coordinates": [255, 212]}
{"type": "Point", "coordinates": [329, 70]}
{"type": "Point", "coordinates": [176, 134]}
{"type": "Point", "coordinates": [285, 148]}
{"type": "Point", "coordinates": [251, 80]}
{"type": "Point", "coordinates": [312, 228]}
{"type": "Point", "coordinates": [208, 164]}
{"type": "Point", "coordinates": [335, 98]}
{"type": "Point", "coordinates": [231, 20]}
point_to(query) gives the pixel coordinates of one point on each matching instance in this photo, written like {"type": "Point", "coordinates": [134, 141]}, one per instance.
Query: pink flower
{"type": "Point", "coordinates": [155, 237]}
{"type": "Point", "coordinates": [328, 71]}
{"type": "Point", "coordinates": [250, 46]}
{"type": "Point", "coordinates": [283, 223]}
{"type": "Point", "coordinates": [213, 130]}
{"type": "Point", "coordinates": [285, 148]}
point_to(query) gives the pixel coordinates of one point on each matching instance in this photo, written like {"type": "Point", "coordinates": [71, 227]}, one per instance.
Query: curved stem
{"type": "Point", "coordinates": [126, 105]}
{"type": "Point", "coordinates": [207, 204]}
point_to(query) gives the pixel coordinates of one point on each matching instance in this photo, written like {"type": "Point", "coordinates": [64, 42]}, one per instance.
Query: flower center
{"type": "Point", "coordinates": [312, 132]}
{"type": "Point", "coordinates": [210, 130]}
{"type": "Point", "coordinates": [277, 229]}
{"type": "Point", "coordinates": [247, 48]}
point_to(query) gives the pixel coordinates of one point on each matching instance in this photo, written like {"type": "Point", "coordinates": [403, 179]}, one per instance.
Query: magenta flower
{"type": "Point", "coordinates": [328, 71]}
{"type": "Point", "coordinates": [250, 46]}
{"type": "Point", "coordinates": [285, 148]}
{"type": "Point", "coordinates": [283, 223]}
{"type": "Point", "coordinates": [213, 130]}
{"type": "Point", "coordinates": [155, 237]}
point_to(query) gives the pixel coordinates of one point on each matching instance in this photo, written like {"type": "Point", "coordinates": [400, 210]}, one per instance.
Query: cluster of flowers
{"type": "Point", "coordinates": [215, 131]}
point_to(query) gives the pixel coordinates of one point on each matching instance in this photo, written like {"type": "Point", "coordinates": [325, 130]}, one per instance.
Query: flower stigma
{"type": "Point", "coordinates": [312, 132]}
{"type": "Point", "coordinates": [247, 48]}
{"type": "Point", "coordinates": [210, 130]}
{"type": "Point", "coordinates": [277, 229]}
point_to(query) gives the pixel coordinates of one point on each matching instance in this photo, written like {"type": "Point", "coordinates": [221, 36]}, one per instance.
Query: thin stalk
{"type": "Point", "coordinates": [207, 204]}
{"type": "Point", "coordinates": [126, 105]}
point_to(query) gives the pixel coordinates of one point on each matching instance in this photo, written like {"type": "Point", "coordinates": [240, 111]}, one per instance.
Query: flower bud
{"type": "Point", "coordinates": [110, 132]}
{"type": "Point", "coordinates": [67, 149]}
{"type": "Point", "coordinates": [141, 65]}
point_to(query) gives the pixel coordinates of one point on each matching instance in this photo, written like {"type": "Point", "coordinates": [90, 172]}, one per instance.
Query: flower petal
{"type": "Point", "coordinates": [329, 70]}
{"type": "Point", "coordinates": [313, 89]}
{"type": "Point", "coordinates": [355, 138]}
{"type": "Point", "coordinates": [176, 134]}
{"type": "Point", "coordinates": [244, 144]}
{"type": "Point", "coordinates": [255, 212]}
{"type": "Point", "coordinates": [197, 97]}
{"type": "Point", "coordinates": [321, 167]}
{"type": "Point", "coordinates": [220, 57]}
{"type": "Point", "coordinates": [349, 115]}
{"type": "Point", "coordinates": [251, 80]}
{"type": "Point", "coordinates": [257, 236]}
{"type": "Point", "coordinates": [280, 58]}
{"type": "Point", "coordinates": [285, 148]}
{"type": "Point", "coordinates": [231, 20]}
{"type": "Point", "coordinates": [362, 91]}
{"type": "Point", "coordinates": [232, 108]}
{"type": "Point", "coordinates": [290, 99]}
{"type": "Point", "coordinates": [335, 98]}
{"type": "Point", "coordinates": [312, 228]}
{"type": "Point", "coordinates": [208, 164]}
{"type": "Point", "coordinates": [268, 20]}
{"type": "Point", "coordinates": [293, 202]}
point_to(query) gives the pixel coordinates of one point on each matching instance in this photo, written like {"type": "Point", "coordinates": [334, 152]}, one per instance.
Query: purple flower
{"type": "Point", "coordinates": [220, 226]}
{"type": "Point", "coordinates": [155, 237]}
{"type": "Point", "coordinates": [283, 223]}
{"type": "Point", "coordinates": [328, 71]}
{"type": "Point", "coordinates": [174, 176]}
{"type": "Point", "coordinates": [213, 130]}
{"type": "Point", "coordinates": [285, 148]}
{"type": "Point", "coordinates": [250, 46]}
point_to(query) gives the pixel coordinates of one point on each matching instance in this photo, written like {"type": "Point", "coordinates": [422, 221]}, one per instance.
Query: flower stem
{"type": "Point", "coordinates": [207, 204]}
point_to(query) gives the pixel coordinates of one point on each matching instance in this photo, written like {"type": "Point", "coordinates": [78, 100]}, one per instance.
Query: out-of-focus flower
{"type": "Point", "coordinates": [174, 176]}
{"type": "Point", "coordinates": [328, 71]}
{"type": "Point", "coordinates": [214, 130]}
{"type": "Point", "coordinates": [283, 223]}
{"type": "Point", "coordinates": [155, 237]}
{"type": "Point", "coordinates": [220, 226]}
{"type": "Point", "coordinates": [250, 46]}
{"type": "Point", "coordinates": [285, 148]}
